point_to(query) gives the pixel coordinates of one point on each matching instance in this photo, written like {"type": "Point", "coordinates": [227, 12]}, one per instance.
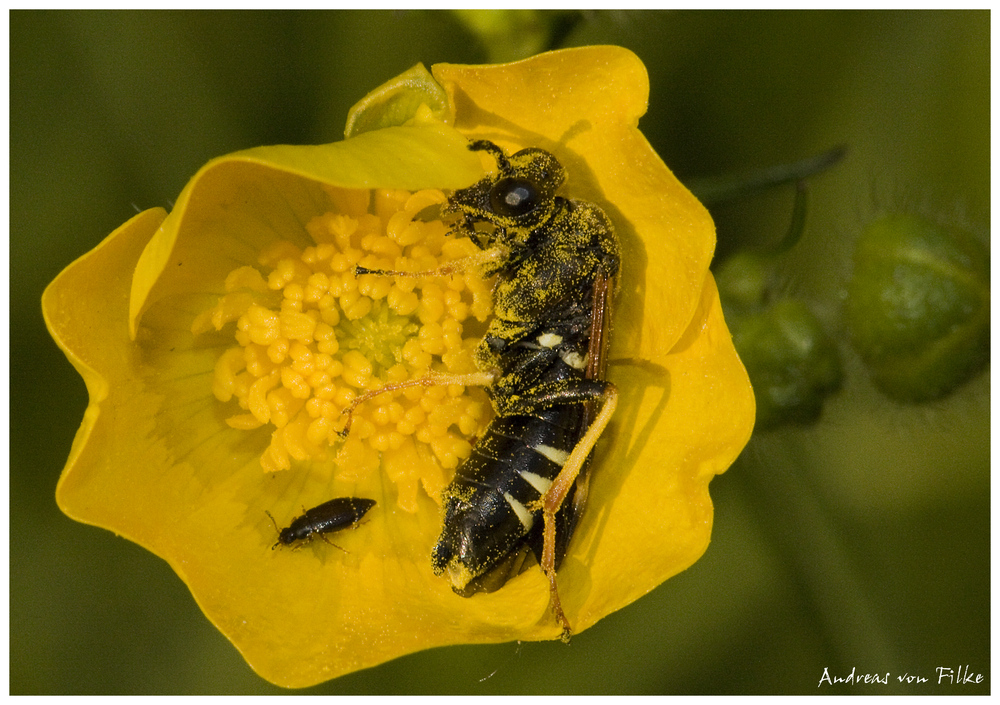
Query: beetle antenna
{"type": "Point", "coordinates": [278, 543]}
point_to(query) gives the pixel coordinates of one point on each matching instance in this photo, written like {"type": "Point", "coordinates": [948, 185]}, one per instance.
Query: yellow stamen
{"type": "Point", "coordinates": [310, 337]}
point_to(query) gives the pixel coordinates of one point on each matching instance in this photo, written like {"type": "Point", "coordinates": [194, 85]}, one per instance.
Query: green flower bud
{"type": "Point", "coordinates": [793, 364]}
{"type": "Point", "coordinates": [918, 306]}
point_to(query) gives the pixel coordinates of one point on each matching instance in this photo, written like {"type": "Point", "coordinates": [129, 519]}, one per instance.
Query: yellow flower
{"type": "Point", "coordinates": [220, 342]}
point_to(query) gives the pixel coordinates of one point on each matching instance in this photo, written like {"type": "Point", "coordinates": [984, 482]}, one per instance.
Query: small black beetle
{"type": "Point", "coordinates": [328, 517]}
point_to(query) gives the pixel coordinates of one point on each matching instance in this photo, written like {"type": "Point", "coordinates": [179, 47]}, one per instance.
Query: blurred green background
{"type": "Point", "coordinates": [860, 542]}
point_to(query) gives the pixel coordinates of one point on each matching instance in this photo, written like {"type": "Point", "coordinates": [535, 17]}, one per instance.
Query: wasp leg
{"type": "Point", "coordinates": [475, 379]}
{"type": "Point", "coordinates": [480, 260]}
{"type": "Point", "coordinates": [553, 498]}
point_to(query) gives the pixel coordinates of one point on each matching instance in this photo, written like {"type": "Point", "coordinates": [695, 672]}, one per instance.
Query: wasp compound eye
{"type": "Point", "coordinates": [513, 197]}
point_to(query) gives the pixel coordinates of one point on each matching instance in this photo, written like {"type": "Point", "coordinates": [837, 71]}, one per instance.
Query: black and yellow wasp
{"type": "Point", "coordinates": [542, 360]}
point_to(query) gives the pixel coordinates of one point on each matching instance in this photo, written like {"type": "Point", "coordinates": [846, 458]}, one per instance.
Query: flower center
{"type": "Point", "coordinates": [311, 336]}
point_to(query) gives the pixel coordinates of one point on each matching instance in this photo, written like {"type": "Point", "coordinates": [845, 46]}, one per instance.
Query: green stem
{"type": "Point", "coordinates": [821, 563]}
{"type": "Point", "coordinates": [797, 226]}
{"type": "Point", "coordinates": [716, 189]}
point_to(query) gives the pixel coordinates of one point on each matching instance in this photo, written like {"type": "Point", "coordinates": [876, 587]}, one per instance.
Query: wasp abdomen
{"type": "Point", "coordinates": [492, 506]}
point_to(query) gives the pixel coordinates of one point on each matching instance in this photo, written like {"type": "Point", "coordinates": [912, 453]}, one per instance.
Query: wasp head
{"type": "Point", "coordinates": [518, 199]}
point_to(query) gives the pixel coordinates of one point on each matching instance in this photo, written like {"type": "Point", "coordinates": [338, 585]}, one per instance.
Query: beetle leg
{"type": "Point", "coordinates": [332, 543]}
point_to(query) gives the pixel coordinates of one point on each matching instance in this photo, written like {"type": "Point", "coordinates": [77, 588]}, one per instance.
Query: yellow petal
{"type": "Point", "coordinates": [83, 309]}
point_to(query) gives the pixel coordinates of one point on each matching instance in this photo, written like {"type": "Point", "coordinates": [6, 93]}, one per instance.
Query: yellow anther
{"type": "Point", "coordinates": [432, 339]}
{"type": "Point", "coordinates": [339, 263]}
{"type": "Point", "coordinates": [450, 450]}
{"type": "Point", "coordinates": [324, 391]}
{"type": "Point", "coordinates": [381, 245]}
{"type": "Point", "coordinates": [422, 199]}
{"type": "Point", "coordinates": [286, 272]}
{"type": "Point", "coordinates": [363, 428]}
{"type": "Point", "coordinates": [294, 383]}
{"type": "Point", "coordinates": [278, 351]}
{"type": "Point", "coordinates": [298, 326]}
{"type": "Point", "coordinates": [283, 406]}
{"type": "Point", "coordinates": [397, 373]}
{"type": "Point", "coordinates": [402, 302]}
{"type": "Point", "coordinates": [316, 406]}
{"type": "Point", "coordinates": [317, 285]}
{"type": "Point", "coordinates": [431, 306]}
{"type": "Point", "coordinates": [349, 298]}
{"type": "Point", "coordinates": [374, 286]}
{"type": "Point", "coordinates": [458, 248]}
{"type": "Point", "coordinates": [414, 416]}
{"type": "Point", "coordinates": [470, 421]}
{"type": "Point", "coordinates": [230, 308]}
{"type": "Point", "coordinates": [244, 422]}
{"type": "Point", "coordinates": [403, 230]}
{"type": "Point", "coordinates": [224, 382]}
{"type": "Point", "coordinates": [356, 362]}
{"type": "Point", "coordinates": [379, 441]}
{"type": "Point", "coordinates": [388, 201]}
{"type": "Point", "coordinates": [260, 324]}
{"type": "Point", "coordinates": [246, 278]}
{"type": "Point", "coordinates": [328, 310]}
{"type": "Point", "coordinates": [319, 378]}
{"type": "Point", "coordinates": [257, 396]}
{"type": "Point", "coordinates": [279, 250]}
{"type": "Point", "coordinates": [319, 430]}
{"type": "Point", "coordinates": [359, 309]}
{"type": "Point", "coordinates": [296, 441]}
{"type": "Point", "coordinates": [302, 358]}
{"type": "Point", "coordinates": [395, 411]}
{"type": "Point", "coordinates": [335, 369]}
{"type": "Point", "coordinates": [256, 360]}
{"type": "Point", "coordinates": [293, 292]}
{"type": "Point", "coordinates": [379, 416]}
{"type": "Point", "coordinates": [344, 396]}
{"type": "Point", "coordinates": [342, 227]}
{"type": "Point", "coordinates": [459, 310]}
{"type": "Point", "coordinates": [322, 361]}
{"type": "Point", "coordinates": [275, 458]}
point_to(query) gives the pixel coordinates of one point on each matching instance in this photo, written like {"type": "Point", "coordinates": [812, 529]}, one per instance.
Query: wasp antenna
{"type": "Point", "coordinates": [503, 163]}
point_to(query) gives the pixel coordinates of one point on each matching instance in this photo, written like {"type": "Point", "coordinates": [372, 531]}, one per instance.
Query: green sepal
{"type": "Point", "coordinates": [397, 101]}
